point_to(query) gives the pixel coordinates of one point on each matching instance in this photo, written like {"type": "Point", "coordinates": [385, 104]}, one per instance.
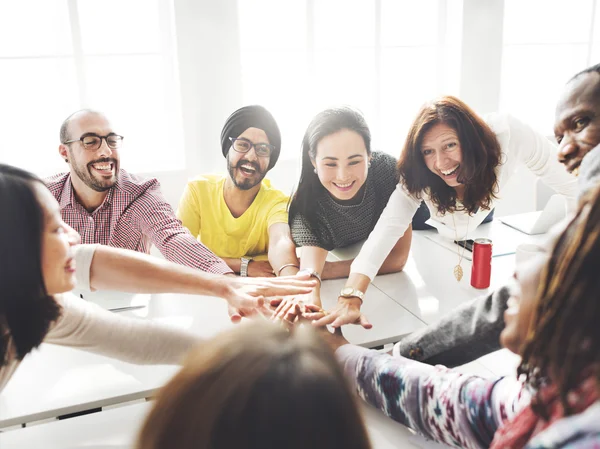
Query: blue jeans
{"type": "Point", "coordinates": [422, 215]}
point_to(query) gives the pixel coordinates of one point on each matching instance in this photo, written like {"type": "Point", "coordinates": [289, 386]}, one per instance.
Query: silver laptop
{"type": "Point", "coordinates": [539, 222]}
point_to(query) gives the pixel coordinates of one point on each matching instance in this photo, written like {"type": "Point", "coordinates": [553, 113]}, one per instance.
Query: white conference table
{"type": "Point", "coordinates": [54, 381]}
{"type": "Point", "coordinates": [118, 429]}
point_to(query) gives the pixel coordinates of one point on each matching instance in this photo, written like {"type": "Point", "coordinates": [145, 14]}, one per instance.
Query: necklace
{"type": "Point", "coordinates": [458, 271]}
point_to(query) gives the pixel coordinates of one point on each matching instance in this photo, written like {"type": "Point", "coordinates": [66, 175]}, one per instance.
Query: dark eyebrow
{"type": "Point", "coordinates": [568, 117]}
{"type": "Point", "coordinates": [446, 139]}
{"type": "Point", "coordinates": [98, 135]}
{"type": "Point", "coordinates": [354, 156]}
{"type": "Point", "coordinates": [245, 139]}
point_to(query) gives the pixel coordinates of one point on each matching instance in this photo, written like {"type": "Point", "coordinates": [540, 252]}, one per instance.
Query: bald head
{"type": "Point", "coordinates": [65, 127]}
{"type": "Point", "coordinates": [88, 146]}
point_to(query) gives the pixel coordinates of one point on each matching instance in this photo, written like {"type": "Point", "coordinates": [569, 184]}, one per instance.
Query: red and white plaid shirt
{"type": "Point", "coordinates": [134, 215]}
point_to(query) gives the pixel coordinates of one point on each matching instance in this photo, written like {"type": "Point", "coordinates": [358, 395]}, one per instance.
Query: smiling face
{"type": "Point", "coordinates": [247, 170]}
{"type": "Point", "coordinates": [577, 123]}
{"type": "Point", "coordinates": [58, 239]}
{"type": "Point", "coordinates": [522, 302]}
{"type": "Point", "coordinates": [442, 153]}
{"type": "Point", "coordinates": [341, 162]}
{"type": "Point", "coordinates": [97, 169]}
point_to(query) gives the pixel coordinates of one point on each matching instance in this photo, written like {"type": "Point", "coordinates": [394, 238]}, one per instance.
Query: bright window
{"type": "Point", "coordinates": [116, 56]}
{"type": "Point", "coordinates": [545, 43]}
{"type": "Point", "coordinates": [384, 57]}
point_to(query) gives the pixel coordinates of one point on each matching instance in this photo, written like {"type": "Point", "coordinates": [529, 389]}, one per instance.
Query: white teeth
{"type": "Point", "coordinates": [343, 186]}
{"type": "Point", "coordinates": [102, 167]}
{"type": "Point", "coordinates": [449, 172]}
{"type": "Point", "coordinates": [248, 167]}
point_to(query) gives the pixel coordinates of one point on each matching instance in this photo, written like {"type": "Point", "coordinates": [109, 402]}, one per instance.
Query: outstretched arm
{"type": "Point", "coordinates": [282, 250]}
{"type": "Point", "coordinates": [86, 326]}
{"type": "Point", "coordinates": [124, 270]}
{"type": "Point", "coordinates": [463, 335]}
{"type": "Point", "coordinates": [157, 220]}
{"type": "Point", "coordinates": [348, 309]}
{"type": "Point", "coordinates": [437, 402]}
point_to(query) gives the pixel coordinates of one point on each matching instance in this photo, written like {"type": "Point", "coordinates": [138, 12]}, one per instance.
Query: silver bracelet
{"type": "Point", "coordinates": [285, 266]}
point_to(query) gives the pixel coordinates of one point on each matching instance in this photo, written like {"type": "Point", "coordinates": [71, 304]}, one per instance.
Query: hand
{"type": "Point", "coordinates": [347, 311]}
{"type": "Point", "coordinates": [334, 339]}
{"type": "Point", "coordinates": [236, 314]}
{"type": "Point", "coordinates": [291, 308]}
{"type": "Point", "coordinates": [260, 268]}
{"type": "Point", "coordinates": [246, 295]}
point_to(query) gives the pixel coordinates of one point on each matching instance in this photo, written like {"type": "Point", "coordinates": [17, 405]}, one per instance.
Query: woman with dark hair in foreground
{"type": "Point", "coordinates": [257, 387]}
{"type": "Point", "coordinates": [551, 322]}
{"type": "Point", "coordinates": [38, 254]}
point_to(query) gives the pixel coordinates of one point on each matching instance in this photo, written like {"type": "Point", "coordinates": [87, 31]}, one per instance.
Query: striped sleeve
{"type": "Point", "coordinates": [157, 220]}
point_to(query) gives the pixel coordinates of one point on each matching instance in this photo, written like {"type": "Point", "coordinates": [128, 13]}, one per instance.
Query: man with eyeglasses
{"type": "Point", "coordinates": [240, 216]}
{"type": "Point", "coordinates": [107, 205]}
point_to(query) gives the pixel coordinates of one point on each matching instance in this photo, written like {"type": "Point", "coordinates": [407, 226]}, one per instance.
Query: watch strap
{"type": "Point", "coordinates": [354, 293]}
{"type": "Point", "coordinates": [244, 266]}
{"type": "Point", "coordinates": [311, 272]}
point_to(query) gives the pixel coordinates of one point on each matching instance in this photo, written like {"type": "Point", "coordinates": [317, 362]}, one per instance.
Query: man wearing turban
{"type": "Point", "coordinates": [240, 216]}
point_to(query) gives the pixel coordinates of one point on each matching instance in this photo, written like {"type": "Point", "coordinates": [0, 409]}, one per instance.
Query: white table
{"type": "Point", "coordinates": [55, 381]}
{"type": "Point", "coordinates": [427, 286]}
{"type": "Point", "coordinates": [118, 428]}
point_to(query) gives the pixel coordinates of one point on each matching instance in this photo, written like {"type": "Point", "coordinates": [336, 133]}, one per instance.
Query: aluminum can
{"type": "Point", "coordinates": [481, 270]}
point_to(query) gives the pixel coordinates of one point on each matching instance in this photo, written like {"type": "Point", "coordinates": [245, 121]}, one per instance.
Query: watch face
{"type": "Point", "coordinates": [347, 290]}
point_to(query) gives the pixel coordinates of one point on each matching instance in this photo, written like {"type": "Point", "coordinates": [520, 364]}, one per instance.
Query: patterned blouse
{"type": "Point", "coordinates": [437, 402]}
{"type": "Point", "coordinates": [453, 408]}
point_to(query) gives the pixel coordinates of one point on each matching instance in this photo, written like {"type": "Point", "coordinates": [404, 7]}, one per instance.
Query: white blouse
{"type": "Point", "coordinates": [519, 143]}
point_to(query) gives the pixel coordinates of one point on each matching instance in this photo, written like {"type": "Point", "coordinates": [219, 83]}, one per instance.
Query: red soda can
{"type": "Point", "coordinates": [481, 270]}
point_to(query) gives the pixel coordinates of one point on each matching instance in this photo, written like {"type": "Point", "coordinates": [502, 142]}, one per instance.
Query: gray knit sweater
{"type": "Point", "coordinates": [340, 225]}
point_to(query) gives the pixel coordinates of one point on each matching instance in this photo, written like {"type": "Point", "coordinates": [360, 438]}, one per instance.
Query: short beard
{"type": "Point", "coordinates": [247, 184]}
{"type": "Point", "coordinates": [86, 174]}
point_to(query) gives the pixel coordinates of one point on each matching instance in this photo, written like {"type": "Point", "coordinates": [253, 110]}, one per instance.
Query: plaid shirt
{"type": "Point", "coordinates": [134, 215]}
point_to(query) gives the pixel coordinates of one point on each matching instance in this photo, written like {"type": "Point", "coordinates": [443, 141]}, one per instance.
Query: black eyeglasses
{"type": "Point", "coordinates": [93, 141]}
{"type": "Point", "coordinates": [242, 145]}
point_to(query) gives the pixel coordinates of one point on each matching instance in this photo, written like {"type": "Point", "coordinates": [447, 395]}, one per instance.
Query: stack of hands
{"type": "Point", "coordinates": [262, 298]}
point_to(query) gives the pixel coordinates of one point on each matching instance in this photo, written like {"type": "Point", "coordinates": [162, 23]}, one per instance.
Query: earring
{"type": "Point", "coordinates": [66, 160]}
{"type": "Point", "coordinates": [315, 170]}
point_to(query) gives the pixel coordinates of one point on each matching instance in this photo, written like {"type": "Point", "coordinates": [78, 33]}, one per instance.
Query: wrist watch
{"type": "Point", "coordinates": [351, 292]}
{"type": "Point", "coordinates": [244, 266]}
{"type": "Point", "coordinates": [311, 272]}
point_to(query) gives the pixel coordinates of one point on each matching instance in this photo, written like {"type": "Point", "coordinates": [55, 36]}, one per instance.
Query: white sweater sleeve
{"type": "Point", "coordinates": [540, 156]}
{"type": "Point", "coordinates": [84, 325]}
{"type": "Point", "coordinates": [393, 222]}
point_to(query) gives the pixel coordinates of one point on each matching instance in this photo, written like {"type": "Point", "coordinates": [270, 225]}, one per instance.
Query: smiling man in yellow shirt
{"type": "Point", "coordinates": [239, 216]}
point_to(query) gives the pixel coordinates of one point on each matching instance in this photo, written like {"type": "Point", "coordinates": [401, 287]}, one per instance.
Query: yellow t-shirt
{"type": "Point", "coordinates": [203, 211]}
